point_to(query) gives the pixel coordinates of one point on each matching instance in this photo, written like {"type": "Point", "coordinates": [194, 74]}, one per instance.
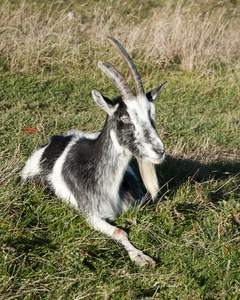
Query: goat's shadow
{"type": "Point", "coordinates": [179, 170]}
{"type": "Point", "coordinates": [176, 171]}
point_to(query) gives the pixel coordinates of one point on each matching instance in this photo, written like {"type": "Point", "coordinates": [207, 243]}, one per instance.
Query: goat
{"type": "Point", "coordinates": [91, 171]}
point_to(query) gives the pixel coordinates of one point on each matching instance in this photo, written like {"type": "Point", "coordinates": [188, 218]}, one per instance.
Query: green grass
{"type": "Point", "coordinates": [47, 250]}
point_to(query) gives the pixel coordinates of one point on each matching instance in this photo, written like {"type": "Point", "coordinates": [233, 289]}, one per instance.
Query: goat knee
{"type": "Point", "coordinates": [119, 234]}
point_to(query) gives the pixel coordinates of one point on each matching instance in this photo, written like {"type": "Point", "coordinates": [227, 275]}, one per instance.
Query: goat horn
{"type": "Point", "coordinates": [131, 67]}
{"type": "Point", "coordinates": [117, 79]}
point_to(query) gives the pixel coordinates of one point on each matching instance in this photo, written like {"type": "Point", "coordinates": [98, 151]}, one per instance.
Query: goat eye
{"type": "Point", "coordinates": [126, 120]}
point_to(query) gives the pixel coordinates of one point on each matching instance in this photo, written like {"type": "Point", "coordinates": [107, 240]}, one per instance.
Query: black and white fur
{"type": "Point", "coordinates": [92, 172]}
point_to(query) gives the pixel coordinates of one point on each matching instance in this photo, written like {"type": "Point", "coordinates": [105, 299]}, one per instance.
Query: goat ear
{"type": "Point", "coordinates": [152, 95]}
{"type": "Point", "coordinates": [105, 103]}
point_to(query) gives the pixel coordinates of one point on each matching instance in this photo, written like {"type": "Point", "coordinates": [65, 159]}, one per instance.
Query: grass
{"type": "Point", "coordinates": [47, 71]}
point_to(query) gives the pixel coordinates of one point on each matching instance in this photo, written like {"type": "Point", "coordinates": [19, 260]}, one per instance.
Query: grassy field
{"type": "Point", "coordinates": [48, 66]}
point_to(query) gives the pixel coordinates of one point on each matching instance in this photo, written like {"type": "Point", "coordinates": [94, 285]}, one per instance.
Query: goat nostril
{"type": "Point", "coordinates": [160, 151]}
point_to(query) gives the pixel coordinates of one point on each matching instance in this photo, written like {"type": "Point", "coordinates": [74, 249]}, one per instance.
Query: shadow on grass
{"type": "Point", "coordinates": [23, 244]}
{"type": "Point", "coordinates": [177, 171]}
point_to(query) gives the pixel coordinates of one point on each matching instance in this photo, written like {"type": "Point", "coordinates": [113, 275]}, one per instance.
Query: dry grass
{"type": "Point", "coordinates": [194, 39]}
{"type": "Point", "coordinates": [191, 36]}
{"type": "Point", "coordinates": [9, 168]}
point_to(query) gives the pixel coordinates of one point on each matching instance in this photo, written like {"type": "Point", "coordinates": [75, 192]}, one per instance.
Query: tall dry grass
{"type": "Point", "coordinates": [192, 39]}
{"type": "Point", "coordinates": [38, 37]}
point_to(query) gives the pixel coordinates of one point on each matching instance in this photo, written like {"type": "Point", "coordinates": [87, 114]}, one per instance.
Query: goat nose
{"type": "Point", "coordinates": [160, 151]}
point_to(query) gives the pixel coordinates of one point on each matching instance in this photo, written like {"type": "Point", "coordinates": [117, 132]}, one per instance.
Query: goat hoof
{"type": "Point", "coordinates": [141, 259]}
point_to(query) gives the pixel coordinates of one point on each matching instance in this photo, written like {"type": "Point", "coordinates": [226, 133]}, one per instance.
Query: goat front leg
{"type": "Point", "coordinates": [137, 256]}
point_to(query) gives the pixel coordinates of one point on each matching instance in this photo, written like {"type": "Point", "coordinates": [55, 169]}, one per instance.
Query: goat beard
{"type": "Point", "coordinates": [149, 176]}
